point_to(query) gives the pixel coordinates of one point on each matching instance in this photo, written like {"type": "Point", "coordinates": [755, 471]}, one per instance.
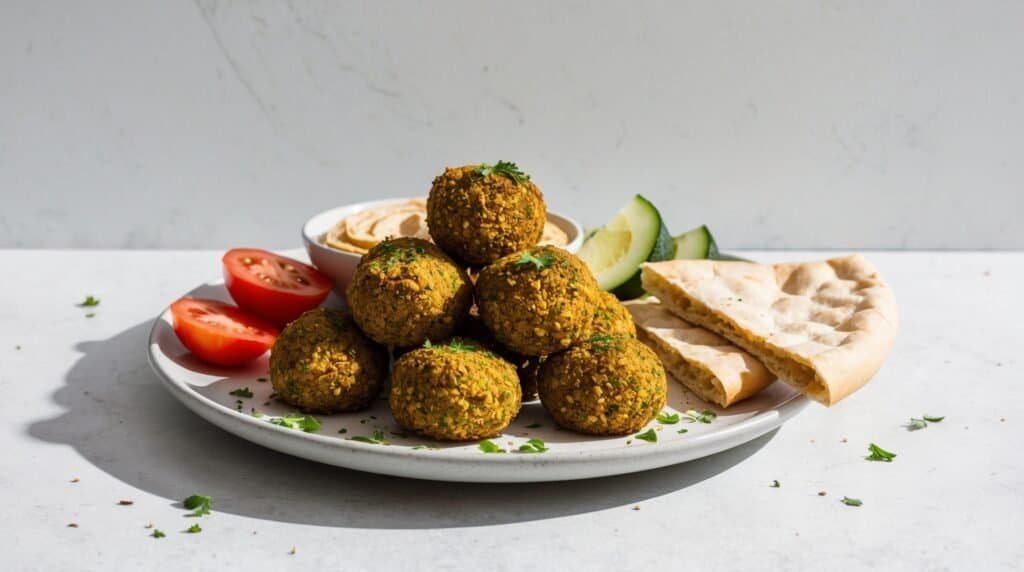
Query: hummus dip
{"type": "Point", "coordinates": [361, 231]}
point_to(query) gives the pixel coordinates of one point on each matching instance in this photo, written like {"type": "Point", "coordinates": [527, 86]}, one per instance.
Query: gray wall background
{"type": "Point", "coordinates": [156, 124]}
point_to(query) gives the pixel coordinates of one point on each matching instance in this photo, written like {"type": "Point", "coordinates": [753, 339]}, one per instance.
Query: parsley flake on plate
{"type": "Point", "coordinates": [533, 446]}
{"type": "Point", "coordinates": [681, 431]}
{"type": "Point", "coordinates": [667, 418]}
{"type": "Point", "coordinates": [775, 484]}
{"type": "Point", "coordinates": [851, 502]}
{"type": "Point", "coordinates": [306, 423]}
{"type": "Point", "coordinates": [242, 392]}
{"type": "Point", "coordinates": [650, 436]}
{"type": "Point", "coordinates": [157, 533]}
{"type": "Point", "coordinates": [916, 424]}
{"type": "Point", "coordinates": [198, 504]}
{"type": "Point", "coordinates": [879, 454]}
{"type": "Point", "coordinates": [375, 438]}
{"type": "Point", "coordinates": [89, 302]}
{"type": "Point", "coordinates": [488, 446]}
{"type": "Point", "coordinates": [705, 416]}
{"type": "Point", "coordinates": [194, 529]}
{"type": "Point", "coordinates": [933, 418]}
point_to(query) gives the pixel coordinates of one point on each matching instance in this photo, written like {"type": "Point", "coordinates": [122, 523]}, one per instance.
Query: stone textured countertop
{"type": "Point", "coordinates": [86, 425]}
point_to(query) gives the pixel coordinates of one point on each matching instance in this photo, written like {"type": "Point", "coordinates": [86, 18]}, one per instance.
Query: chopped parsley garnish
{"type": "Point", "coordinates": [533, 446]}
{"type": "Point", "coordinates": [375, 438]}
{"type": "Point", "coordinates": [242, 392]}
{"type": "Point", "coordinates": [667, 418]}
{"type": "Point", "coordinates": [706, 416]}
{"type": "Point", "coordinates": [488, 446]}
{"type": "Point", "coordinates": [257, 414]}
{"type": "Point", "coordinates": [918, 424]}
{"type": "Point", "coordinates": [879, 454]}
{"type": "Point", "coordinates": [534, 425]}
{"type": "Point", "coordinates": [306, 423]}
{"type": "Point", "coordinates": [198, 504]}
{"type": "Point", "coordinates": [157, 533]}
{"type": "Point", "coordinates": [458, 346]}
{"type": "Point", "coordinates": [775, 484]}
{"type": "Point", "coordinates": [342, 431]}
{"type": "Point", "coordinates": [504, 168]}
{"type": "Point", "coordinates": [851, 502]}
{"type": "Point", "coordinates": [539, 261]}
{"type": "Point", "coordinates": [650, 436]}
{"type": "Point", "coordinates": [683, 430]}
{"type": "Point", "coordinates": [194, 529]}
{"type": "Point", "coordinates": [393, 254]}
{"type": "Point", "coordinates": [89, 302]}
{"type": "Point", "coordinates": [261, 379]}
{"type": "Point", "coordinates": [427, 344]}
{"type": "Point", "coordinates": [91, 315]}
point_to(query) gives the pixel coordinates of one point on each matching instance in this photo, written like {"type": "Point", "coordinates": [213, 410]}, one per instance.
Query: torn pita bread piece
{"type": "Point", "coordinates": [705, 363]}
{"type": "Point", "coordinates": [823, 327]}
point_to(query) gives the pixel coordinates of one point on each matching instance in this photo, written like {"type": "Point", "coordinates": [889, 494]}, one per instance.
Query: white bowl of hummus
{"type": "Point", "coordinates": [337, 238]}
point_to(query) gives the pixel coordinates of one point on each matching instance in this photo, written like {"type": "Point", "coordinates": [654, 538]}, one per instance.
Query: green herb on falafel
{"type": "Point", "coordinates": [539, 261]}
{"type": "Point", "coordinates": [241, 392]}
{"type": "Point", "coordinates": [503, 168]}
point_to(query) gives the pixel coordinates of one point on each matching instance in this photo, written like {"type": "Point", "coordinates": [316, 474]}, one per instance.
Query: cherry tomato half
{"type": "Point", "coordinates": [220, 333]}
{"type": "Point", "coordinates": [271, 286]}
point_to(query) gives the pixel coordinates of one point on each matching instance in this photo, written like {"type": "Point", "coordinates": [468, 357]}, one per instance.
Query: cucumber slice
{"type": "Point", "coordinates": [696, 244]}
{"type": "Point", "coordinates": [615, 251]}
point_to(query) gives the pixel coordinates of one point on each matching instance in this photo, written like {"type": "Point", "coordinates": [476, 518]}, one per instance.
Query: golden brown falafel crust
{"type": "Point", "coordinates": [537, 307]}
{"type": "Point", "coordinates": [406, 291]}
{"type": "Point", "coordinates": [611, 317]}
{"type": "Point", "coordinates": [610, 385]}
{"type": "Point", "coordinates": [322, 363]}
{"type": "Point", "coordinates": [456, 391]}
{"type": "Point", "coordinates": [479, 219]}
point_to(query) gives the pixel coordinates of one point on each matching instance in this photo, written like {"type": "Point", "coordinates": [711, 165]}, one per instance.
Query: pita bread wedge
{"type": "Point", "coordinates": [823, 327]}
{"type": "Point", "coordinates": [705, 363]}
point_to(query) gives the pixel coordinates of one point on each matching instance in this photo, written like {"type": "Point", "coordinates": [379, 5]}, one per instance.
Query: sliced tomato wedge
{"type": "Point", "coordinates": [271, 286]}
{"type": "Point", "coordinates": [220, 333]}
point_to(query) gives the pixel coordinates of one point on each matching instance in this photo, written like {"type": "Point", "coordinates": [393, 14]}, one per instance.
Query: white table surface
{"type": "Point", "coordinates": [80, 402]}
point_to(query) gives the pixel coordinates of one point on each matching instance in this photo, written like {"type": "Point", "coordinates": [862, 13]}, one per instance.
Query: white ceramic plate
{"type": "Point", "coordinates": [206, 390]}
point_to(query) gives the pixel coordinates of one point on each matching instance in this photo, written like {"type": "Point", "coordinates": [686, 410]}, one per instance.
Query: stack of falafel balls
{"type": "Point", "coordinates": [480, 321]}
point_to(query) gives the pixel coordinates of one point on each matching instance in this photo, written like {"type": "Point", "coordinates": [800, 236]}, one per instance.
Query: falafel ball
{"type": "Point", "coordinates": [611, 317]}
{"type": "Point", "coordinates": [526, 366]}
{"type": "Point", "coordinates": [322, 363]}
{"type": "Point", "coordinates": [406, 291]}
{"type": "Point", "coordinates": [609, 385]}
{"type": "Point", "coordinates": [455, 391]}
{"type": "Point", "coordinates": [479, 213]}
{"type": "Point", "coordinates": [538, 301]}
